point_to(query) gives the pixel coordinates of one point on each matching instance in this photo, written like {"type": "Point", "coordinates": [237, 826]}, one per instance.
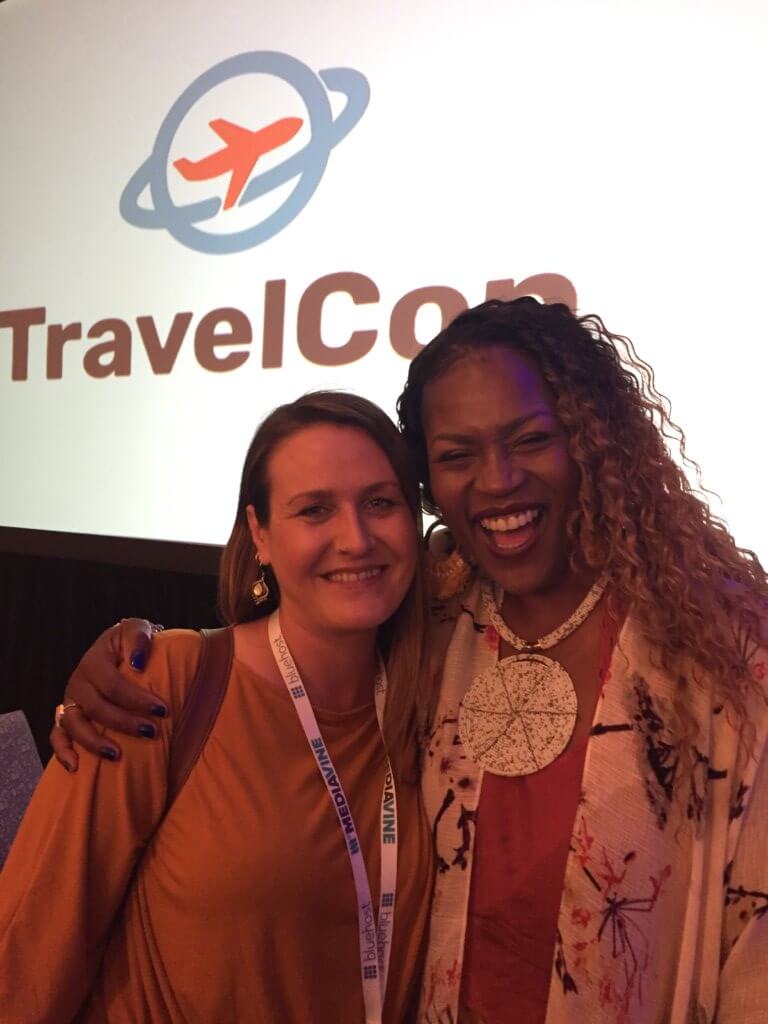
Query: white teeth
{"type": "Point", "coordinates": [352, 577]}
{"type": "Point", "coordinates": [504, 524]}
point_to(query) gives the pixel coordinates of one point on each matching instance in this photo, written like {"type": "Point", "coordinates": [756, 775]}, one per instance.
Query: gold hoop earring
{"type": "Point", "coordinates": [260, 587]}
{"type": "Point", "coordinates": [448, 571]}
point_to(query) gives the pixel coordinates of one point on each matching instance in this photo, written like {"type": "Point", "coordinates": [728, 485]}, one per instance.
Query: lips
{"type": "Point", "coordinates": [511, 530]}
{"type": "Point", "coordinates": [351, 576]}
{"type": "Point", "coordinates": [510, 522]}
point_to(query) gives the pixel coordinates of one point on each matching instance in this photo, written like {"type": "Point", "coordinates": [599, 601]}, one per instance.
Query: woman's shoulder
{"type": "Point", "coordinates": [175, 647]}
{"type": "Point", "coordinates": [171, 667]}
{"type": "Point", "coordinates": [748, 615]}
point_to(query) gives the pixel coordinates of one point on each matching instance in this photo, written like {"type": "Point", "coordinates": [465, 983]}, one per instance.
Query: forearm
{"type": "Point", "coordinates": [66, 877]}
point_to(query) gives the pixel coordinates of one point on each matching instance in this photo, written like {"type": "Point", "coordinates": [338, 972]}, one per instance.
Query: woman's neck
{"type": "Point", "coordinates": [337, 670]}
{"type": "Point", "coordinates": [534, 615]}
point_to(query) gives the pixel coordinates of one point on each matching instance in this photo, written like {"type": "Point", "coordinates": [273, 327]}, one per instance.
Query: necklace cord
{"type": "Point", "coordinates": [552, 638]}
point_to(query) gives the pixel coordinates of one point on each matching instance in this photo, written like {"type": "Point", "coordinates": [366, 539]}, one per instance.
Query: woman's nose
{"type": "Point", "coordinates": [500, 473]}
{"type": "Point", "coordinates": [353, 536]}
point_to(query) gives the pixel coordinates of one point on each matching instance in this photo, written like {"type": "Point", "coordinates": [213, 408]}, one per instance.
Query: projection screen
{"type": "Point", "coordinates": [209, 209]}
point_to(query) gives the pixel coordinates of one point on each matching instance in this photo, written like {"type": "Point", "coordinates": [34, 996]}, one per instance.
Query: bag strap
{"type": "Point", "coordinates": [204, 699]}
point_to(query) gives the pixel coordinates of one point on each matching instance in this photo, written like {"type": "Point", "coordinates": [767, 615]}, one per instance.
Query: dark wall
{"type": "Point", "coordinates": [52, 606]}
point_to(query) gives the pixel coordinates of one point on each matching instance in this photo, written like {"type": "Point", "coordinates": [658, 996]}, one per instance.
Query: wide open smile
{"type": "Point", "coordinates": [513, 532]}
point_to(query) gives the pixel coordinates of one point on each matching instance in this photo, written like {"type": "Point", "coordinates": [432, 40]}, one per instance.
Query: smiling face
{"type": "Point", "coordinates": [341, 538]}
{"type": "Point", "coordinates": [500, 469]}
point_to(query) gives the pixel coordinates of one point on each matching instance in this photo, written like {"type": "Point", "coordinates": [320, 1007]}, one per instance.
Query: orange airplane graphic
{"type": "Point", "coordinates": [243, 148]}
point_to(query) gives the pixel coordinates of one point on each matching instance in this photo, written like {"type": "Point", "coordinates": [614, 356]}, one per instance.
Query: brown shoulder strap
{"type": "Point", "coordinates": [204, 698]}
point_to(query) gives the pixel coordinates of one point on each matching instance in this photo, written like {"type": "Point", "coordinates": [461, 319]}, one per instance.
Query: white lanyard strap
{"type": "Point", "coordinates": [375, 938]}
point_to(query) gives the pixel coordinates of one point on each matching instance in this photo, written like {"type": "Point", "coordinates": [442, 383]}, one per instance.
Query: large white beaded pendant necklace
{"type": "Point", "coordinates": [518, 715]}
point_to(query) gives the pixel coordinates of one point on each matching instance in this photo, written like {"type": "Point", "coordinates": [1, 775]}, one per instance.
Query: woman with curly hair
{"type": "Point", "coordinates": [607, 829]}
{"type": "Point", "coordinates": [595, 767]}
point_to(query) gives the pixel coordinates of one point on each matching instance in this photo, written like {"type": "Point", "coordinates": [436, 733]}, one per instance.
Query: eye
{"type": "Point", "coordinates": [313, 511]}
{"type": "Point", "coordinates": [453, 455]}
{"type": "Point", "coordinates": [381, 505]}
{"type": "Point", "coordinates": [536, 438]}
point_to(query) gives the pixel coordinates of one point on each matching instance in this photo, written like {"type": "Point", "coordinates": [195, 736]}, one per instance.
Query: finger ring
{"type": "Point", "coordinates": [155, 627]}
{"type": "Point", "coordinates": [61, 710]}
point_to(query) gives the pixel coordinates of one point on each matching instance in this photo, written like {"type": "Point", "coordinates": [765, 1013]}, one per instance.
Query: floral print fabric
{"type": "Point", "coordinates": [664, 910]}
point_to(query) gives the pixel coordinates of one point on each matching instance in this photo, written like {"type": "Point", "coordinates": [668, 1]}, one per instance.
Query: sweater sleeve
{"type": "Point", "coordinates": [743, 989]}
{"type": "Point", "coordinates": [72, 860]}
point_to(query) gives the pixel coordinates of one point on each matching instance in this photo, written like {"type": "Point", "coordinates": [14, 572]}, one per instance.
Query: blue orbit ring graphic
{"type": "Point", "coordinates": [308, 165]}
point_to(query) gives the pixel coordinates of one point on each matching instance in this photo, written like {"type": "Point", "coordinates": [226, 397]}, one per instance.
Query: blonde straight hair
{"type": "Point", "coordinates": [403, 639]}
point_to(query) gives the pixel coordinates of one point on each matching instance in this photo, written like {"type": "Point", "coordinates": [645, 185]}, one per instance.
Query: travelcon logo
{"type": "Point", "coordinates": [243, 146]}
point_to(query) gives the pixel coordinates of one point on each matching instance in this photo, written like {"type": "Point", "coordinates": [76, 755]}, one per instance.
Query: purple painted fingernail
{"type": "Point", "coordinates": [109, 753]}
{"type": "Point", "coordinates": [158, 710]}
{"type": "Point", "coordinates": [146, 730]}
{"type": "Point", "coordinates": [138, 661]}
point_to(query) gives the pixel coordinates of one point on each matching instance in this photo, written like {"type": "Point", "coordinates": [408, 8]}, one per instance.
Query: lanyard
{"type": "Point", "coordinates": [375, 939]}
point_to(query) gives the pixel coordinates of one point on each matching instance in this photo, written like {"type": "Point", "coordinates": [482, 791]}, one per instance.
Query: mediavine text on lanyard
{"type": "Point", "coordinates": [375, 939]}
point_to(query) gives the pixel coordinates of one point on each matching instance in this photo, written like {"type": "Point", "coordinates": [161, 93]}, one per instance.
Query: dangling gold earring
{"type": "Point", "coordinates": [260, 588]}
{"type": "Point", "coordinates": [448, 571]}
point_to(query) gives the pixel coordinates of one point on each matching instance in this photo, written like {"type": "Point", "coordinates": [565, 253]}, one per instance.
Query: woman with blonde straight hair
{"type": "Point", "coordinates": [288, 880]}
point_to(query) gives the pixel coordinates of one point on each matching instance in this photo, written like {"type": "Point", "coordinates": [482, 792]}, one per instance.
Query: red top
{"type": "Point", "coordinates": [523, 833]}
{"type": "Point", "coordinates": [524, 827]}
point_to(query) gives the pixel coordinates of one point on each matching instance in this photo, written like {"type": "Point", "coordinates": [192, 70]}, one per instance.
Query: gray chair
{"type": "Point", "coordinates": [20, 769]}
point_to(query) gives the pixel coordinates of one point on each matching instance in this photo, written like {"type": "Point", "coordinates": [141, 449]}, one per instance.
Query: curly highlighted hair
{"type": "Point", "coordinates": [698, 597]}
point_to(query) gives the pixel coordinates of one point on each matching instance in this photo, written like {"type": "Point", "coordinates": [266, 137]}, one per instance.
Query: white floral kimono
{"type": "Point", "coordinates": [664, 912]}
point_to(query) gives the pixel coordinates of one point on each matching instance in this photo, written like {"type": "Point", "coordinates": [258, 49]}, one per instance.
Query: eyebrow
{"type": "Point", "coordinates": [507, 428]}
{"type": "Point", "coordinates": [327, 495]}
